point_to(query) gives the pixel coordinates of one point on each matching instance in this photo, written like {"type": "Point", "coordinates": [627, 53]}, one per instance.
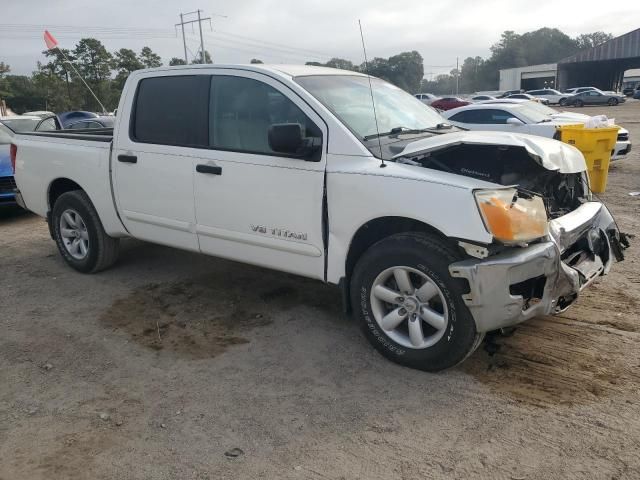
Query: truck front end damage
{"type": "Point", "coordinates": [543, 278]}
{"type": "Point", "coordinates": [550, 239]}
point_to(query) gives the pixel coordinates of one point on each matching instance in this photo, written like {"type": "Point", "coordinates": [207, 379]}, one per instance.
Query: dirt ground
{"type": "Point", "coordinates": [177, 366]}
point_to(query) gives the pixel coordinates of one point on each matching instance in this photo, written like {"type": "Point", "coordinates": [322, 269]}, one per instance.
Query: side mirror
{"type": "Point", "coordinates": [514, 121]}
{"type": "Point", "coordinates": [288, 138]}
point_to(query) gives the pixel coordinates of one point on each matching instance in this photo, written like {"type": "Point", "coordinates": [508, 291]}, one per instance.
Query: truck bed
{"type": "Point", "coordinates": [94, 134]}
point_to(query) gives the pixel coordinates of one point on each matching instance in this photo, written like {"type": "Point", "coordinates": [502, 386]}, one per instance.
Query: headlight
{"type": "Point", "coordinates": [512, 219]}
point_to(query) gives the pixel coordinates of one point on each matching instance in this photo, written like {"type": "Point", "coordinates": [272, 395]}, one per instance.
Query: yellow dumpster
{"type": "Point", "coordinates": [596, 144]}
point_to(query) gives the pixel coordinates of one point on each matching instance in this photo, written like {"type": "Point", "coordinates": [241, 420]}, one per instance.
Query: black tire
{"type": "Point", "coordinates": [563, 102]}
{"type": "Point", "coordinates": [613, 102]}
{"type": "Point", "coordinates": [102, 251]}
{"type": "Point", "coordinates": [429, 255]}
{"type": "Point", "coordinates": [579, 103]}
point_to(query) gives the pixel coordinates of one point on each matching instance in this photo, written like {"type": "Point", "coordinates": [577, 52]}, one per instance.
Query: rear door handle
{"type": "Point", "coordinates": [127, 158]}
{"type": "Point", "coordinates": [212, 169]}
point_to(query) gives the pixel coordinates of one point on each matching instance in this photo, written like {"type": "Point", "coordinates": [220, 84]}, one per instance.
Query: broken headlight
{"type": "Point", "coordinates": [511, 218]}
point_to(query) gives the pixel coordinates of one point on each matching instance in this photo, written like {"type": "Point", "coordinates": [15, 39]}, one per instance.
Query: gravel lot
{"type": "Point", "coordinates": [178, 366]}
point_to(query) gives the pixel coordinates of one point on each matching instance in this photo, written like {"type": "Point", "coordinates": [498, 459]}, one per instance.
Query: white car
{"type": "Point", "coordinates": [553, 96]}
{"type": "Point", "coordinates": [426, 98]}
{"type": "Point", "coordinates": [522, 116]}
{"type": "Point", "coordinates": [433, 234]}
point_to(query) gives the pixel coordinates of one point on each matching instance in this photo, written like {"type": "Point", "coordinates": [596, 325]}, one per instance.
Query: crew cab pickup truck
{"type": "Point", "coordinates": [435, 235]}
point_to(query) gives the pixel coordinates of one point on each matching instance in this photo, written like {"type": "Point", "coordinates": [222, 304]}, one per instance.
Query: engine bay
{"type": "Point", "coordinates": [509, 166]}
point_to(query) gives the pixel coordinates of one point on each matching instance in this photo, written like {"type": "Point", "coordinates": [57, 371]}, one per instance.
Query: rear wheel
{"type": "Point", "coordinates": [579, 103]}
{"type": "Point", "coordinates": [563, 102]}
{"type": "Point", "coordinates": [613, 102]}
{"type": "Point", "coordinates": [79, 234]}
{"type": "Point", "coordinates": [409, 306]}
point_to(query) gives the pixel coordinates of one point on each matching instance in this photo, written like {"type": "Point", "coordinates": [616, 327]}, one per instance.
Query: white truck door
{"type": "Point", "coordinates": [254, 204]}
{"type": "Point", "coordinates": [153, 158]}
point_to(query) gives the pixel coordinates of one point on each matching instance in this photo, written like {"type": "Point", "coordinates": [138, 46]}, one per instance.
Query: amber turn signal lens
{"type": "Point", "coordinates": [512, 219]}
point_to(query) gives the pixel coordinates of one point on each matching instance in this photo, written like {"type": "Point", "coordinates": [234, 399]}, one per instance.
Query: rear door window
{"type": "Point", "coordinates": [172, 110]}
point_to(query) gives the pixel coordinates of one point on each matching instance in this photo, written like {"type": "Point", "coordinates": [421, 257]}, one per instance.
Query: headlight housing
{"type": "Point", "coordinates": [512, 219]}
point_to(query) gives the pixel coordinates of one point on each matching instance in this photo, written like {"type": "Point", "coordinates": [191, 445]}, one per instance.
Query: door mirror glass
{"type": "Point", "coordinates": [514, 121]}
{"type": "Point", "coordinates": [289, 139]}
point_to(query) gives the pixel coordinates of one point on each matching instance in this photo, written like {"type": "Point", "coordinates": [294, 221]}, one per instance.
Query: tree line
{"type": "Point", "coordinates": [55, 86]}
{"type": "Point", "coordinates": [545, 45]}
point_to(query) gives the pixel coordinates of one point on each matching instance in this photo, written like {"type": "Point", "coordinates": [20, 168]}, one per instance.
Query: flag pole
{"type": "Point", "coordinates": [104, 110]}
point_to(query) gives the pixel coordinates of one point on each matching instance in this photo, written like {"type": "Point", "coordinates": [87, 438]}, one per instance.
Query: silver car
{"type": "Point", "coordinates": [595, 97]}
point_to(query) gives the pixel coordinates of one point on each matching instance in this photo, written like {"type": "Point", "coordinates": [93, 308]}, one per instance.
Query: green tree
{"type": "Point", "coordinates": [4, 69]}
{"type": "Point", "coordinates": [58, 66]}
{"type": "Point", "coordinates": [150, 59]}
{"type": "Point", "coordinates": [95, 63]}
{"type": "Point", "coordinates": [125, 62]}
{"type": "Point", "coordinates": [589, 40]}
{"type": "Point", "coordinates": [176, 61]}
{"type": "Point", "coordinates": [407, 70]}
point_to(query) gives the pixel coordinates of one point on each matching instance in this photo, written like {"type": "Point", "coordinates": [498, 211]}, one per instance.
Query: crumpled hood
{"type": "Point", "coordinates": [551, 154]}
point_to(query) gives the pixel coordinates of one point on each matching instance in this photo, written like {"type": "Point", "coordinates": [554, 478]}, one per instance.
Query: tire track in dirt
{"type": "Point", "coordinates": [559, 360]}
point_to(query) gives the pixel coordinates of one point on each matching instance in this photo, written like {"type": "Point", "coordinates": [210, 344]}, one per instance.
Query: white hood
{"type": "Point", "coordinates": [551, 154]}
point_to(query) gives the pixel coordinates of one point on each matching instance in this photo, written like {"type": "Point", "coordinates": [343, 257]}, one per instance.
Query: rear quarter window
{"type": "Point", "coordinates": [172, 110]}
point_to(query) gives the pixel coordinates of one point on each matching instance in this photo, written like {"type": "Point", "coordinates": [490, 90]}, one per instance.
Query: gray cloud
{"type": "Point", "coordinates": [289, 31]}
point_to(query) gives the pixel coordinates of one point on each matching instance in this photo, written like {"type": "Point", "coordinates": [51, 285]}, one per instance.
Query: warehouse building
{"type": "Point", "coordinates": [603, 66]}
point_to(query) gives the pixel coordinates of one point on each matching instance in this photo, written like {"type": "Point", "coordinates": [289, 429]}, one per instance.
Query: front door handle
{"type": "Point", "coordinates": [212, 169]}
{"type": "Point", "coordinates": [127, 158]}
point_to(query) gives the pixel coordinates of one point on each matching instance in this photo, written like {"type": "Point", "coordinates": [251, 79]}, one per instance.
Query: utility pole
{"type": "Point", "coordinates": [457, 76]}
{"type": "Point", "coordinates": [201, 39]}
{"type": "Point", "coordinates": [199, 22]}
{"type": "Point", "coordinates": [184, 40]}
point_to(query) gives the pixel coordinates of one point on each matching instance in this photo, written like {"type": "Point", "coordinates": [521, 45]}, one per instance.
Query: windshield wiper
{"type": "Point", "coordinates": [409, 131]}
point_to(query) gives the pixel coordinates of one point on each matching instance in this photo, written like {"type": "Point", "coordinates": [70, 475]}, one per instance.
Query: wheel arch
{"type": "Point", "coordinates": [59, 186]}
{"type": "Point", "coordinates": [372, 232]}
{"type": "Point", "coordinates": [56, 188]}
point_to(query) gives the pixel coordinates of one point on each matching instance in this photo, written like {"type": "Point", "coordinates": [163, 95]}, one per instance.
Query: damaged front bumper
{"type": "Point", "coordinates": [544, 278]}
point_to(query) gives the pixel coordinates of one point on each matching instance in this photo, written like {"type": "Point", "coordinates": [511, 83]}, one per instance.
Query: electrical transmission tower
{"type": "Point", "coordinates": [199, 21]}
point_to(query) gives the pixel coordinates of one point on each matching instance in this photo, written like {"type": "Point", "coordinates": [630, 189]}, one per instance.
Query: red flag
{"type": "Point", "coordinates": [49, 40]}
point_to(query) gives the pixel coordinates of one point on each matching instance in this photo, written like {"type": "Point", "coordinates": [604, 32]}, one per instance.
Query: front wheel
{"type": "Point", "coordinates": [563, 102]}
{"type": "Point", "coordinates": [579, 103]}
{"type": "Point", "coordinates": [613, 102]}
{"type": "Point", "coordinates": [409, 306]}
{"type": "Point", "coordinates": [79, 234]}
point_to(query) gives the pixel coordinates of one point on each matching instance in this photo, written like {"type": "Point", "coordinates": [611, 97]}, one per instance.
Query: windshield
{"type": "Point", "coordinates": [349, 98]}
{"type": "Point", "coordinates": [20, 125]}
{"type": "Point", "coordinates": [533, 112]}
{"type": "Point", "coordinates": [540, 108]}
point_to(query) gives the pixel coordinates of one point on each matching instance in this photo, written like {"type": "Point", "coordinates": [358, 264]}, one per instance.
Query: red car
{"type": "Point", "coordinates": [447, 103]}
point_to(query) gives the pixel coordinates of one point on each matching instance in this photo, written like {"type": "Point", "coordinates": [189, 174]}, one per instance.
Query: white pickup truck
{"type": "Point", "coordinates": [435, 235]}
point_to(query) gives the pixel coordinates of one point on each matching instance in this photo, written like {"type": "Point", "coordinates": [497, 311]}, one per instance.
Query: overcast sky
{"type": "Point", "coordinates": [294, 31]}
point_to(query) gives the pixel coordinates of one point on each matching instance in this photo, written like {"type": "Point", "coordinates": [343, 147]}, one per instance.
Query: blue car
{"type": "Point", "coordinates": [7, 184]}
{"type": "Point", "coordinates": [636, 94]}
{"type": "Point", "coordinates": [8, 127]}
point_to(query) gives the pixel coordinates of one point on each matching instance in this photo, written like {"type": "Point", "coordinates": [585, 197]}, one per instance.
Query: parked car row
{"type": "Point", "coordinates": [524, 117]}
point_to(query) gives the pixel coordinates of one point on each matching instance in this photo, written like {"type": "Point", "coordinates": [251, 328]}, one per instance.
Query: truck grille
{"type": "Point", "coordinates": [7, 184]}
{"type": "Point", "coordinates": [623, 137]}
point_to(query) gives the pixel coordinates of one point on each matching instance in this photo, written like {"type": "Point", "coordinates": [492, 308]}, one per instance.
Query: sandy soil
{"type": "Point", "coordinates": [173, 365]}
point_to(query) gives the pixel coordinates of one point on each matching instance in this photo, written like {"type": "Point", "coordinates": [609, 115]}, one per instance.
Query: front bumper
{"type": "Point", "coordinates": [622, 148]}
{"type": "Point", "coordinates": [581, 246]}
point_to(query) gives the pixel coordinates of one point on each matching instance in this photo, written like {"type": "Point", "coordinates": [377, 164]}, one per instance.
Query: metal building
{"type": "Point", "coordinates": [602, 66]}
